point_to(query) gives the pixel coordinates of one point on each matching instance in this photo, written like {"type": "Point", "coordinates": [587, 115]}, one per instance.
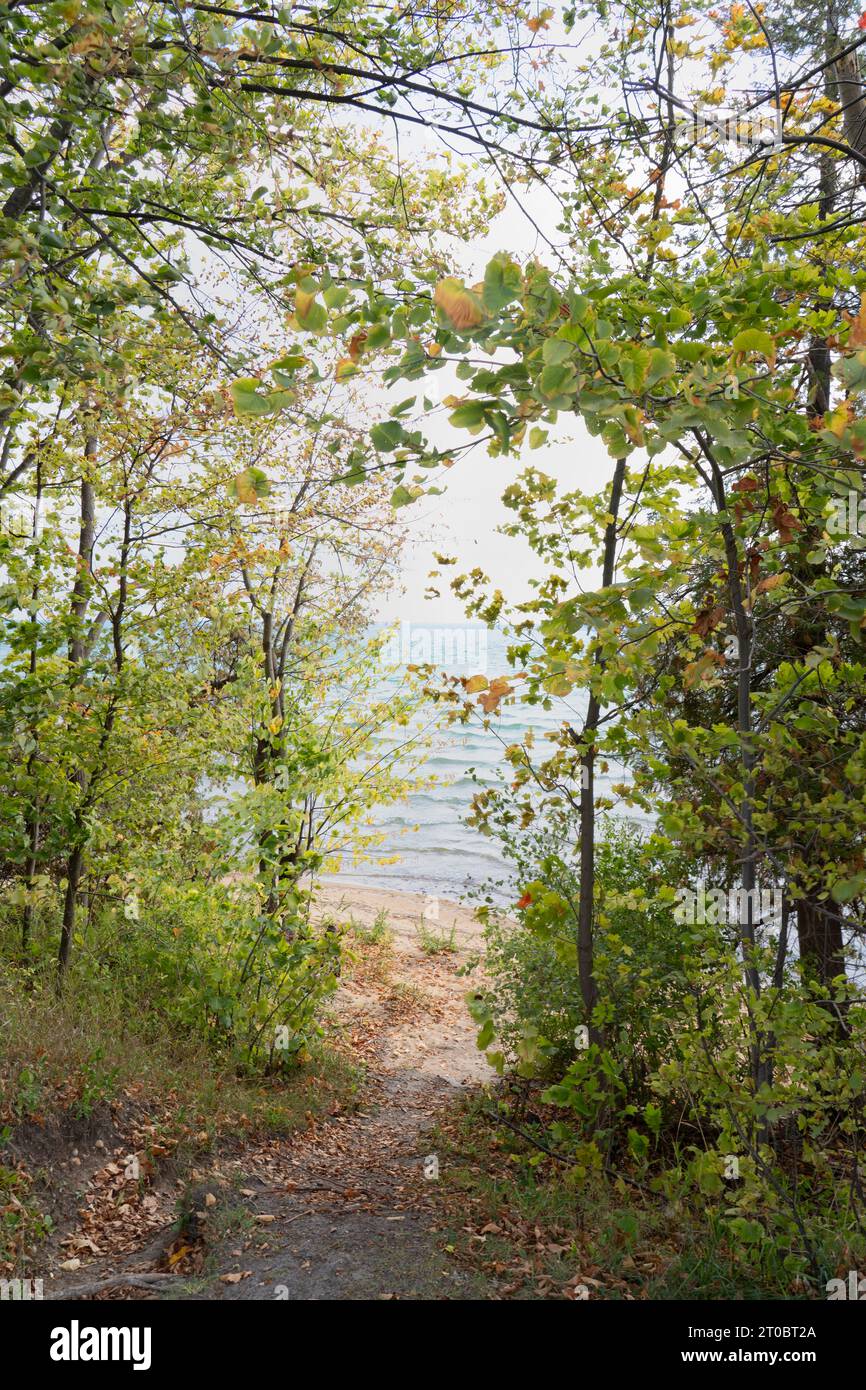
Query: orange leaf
{"type": "Point", "coordinates": [460, 305]}
{"type": "Point", "coordinates": [771, 582]}
{"type": "Point", "coordinates": [542, 21]}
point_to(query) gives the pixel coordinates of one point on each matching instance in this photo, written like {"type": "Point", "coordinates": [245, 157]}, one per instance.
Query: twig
{"type": "Point", "coordinates": [117, 1281]}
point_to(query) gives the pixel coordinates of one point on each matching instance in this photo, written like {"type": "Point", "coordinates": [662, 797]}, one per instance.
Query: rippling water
{"type": "Point", "coordinates": [443, 856]}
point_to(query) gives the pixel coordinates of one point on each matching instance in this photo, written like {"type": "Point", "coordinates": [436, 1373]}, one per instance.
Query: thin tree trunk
{"type": "Point", "coordinates": [73, 879]}
{"type": "Point", "coordinates": [33, 826]}
{"type": "Point", "coordinates": [77, 650]}
{"type": "Point", "coordinates": [33, 818]}
{"type": "Point", "coordinates": [586, 902]}
{"type": "Point", "coordinates": [759, 1062]}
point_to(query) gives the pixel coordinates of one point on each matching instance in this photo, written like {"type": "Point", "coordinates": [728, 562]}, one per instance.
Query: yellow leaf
{"type": "Point", "coordinates": [345, 368]}
{"type": "Point", "coordinates": [244, 489]}
{"type": "Point", "coordinates": [304, 302]}
{"type": "Point", "coordinates": [460, 305]}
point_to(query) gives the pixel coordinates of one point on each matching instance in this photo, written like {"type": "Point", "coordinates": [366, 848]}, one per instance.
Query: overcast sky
{"type": "Point", "coordinates": [464, 521]}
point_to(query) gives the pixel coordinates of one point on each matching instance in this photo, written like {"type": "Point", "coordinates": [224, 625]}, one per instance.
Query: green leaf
{"type": "Point", "coordinates": [502, 283]}
{"type": "Point", "coordinates": [662, 365]}
{"type": "Point", "coordinates": [844, 889]}
{"type": "Point", "coordinates": [387, 436]}
{"type": "Point", "coordinates": [309, 313]}
{"type": "Point", "coordinates": [468, 416]}
{"type": "Point", "coordinates": [634, 365]}
{"type": "Point", "coordinates": [556, 380]}
{"type": "Point", "coordinates": [402, 496]}
{"type": "Point", "coordinates": [556, 350]}
{"type": "Point", "coordinates": [246, 399]}
{"type": "Point", "coordinates": [755, 340]}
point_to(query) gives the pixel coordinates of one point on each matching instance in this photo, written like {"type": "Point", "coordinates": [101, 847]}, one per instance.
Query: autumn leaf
{"type": "Point", "coordinates": [771, 582]}
{"type": "Point", "coordinates": [702, 669]}
{"type": "Point", "coordinates": [460, 305]}
{"type": "Point", "coordinates": [541, 21]}
{"type": "Point", "coordinates": [785, 521]}
{"type": "Point", "coordinates": [496, 692]}
{"type": "Point", "coordinates": [708, 619]}
{"type": "Point", "coordinates": [345, 369]}
{"type": "Point", "coordinates": [250, 486]}
{"type": "Point", "coordinates": [857, 334]}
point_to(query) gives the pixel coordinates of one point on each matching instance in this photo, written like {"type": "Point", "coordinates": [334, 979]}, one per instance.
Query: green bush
{"type": "Point", "coordinates": [534, 999]}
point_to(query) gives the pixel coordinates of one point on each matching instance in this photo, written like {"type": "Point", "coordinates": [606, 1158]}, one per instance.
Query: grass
{"type": "Point", "coordinates": [70, 1062]}
{"type": "Point", "coordinates": [409, 995]}
{"type": "Point", "coordinates": [542, 1230]}
{"type": "Point", "coordinates": [377, 934]}
{"type": "Point", "coordinates": [63, 1051]}
{"type": "Point", "coordinates": [436, 943]}
{"type": "Point", "coordinates": [22, 1223]}
{"type": "Point", "coordinates": [371, 960]}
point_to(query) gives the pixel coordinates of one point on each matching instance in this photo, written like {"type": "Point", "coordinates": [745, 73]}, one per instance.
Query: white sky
{"type": "Point", "coordinates": [463, 522]}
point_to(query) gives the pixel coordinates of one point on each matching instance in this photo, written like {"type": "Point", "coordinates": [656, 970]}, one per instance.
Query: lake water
{"type": "Point", "coordinates": [438, 853]}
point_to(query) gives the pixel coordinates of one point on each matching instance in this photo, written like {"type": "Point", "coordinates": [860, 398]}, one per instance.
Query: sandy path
{"type": "Point", "coordinates": [345, 1211]}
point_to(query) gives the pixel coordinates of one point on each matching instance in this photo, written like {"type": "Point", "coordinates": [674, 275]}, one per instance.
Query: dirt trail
{"type": "Point", "coordinates": [345, 1211]}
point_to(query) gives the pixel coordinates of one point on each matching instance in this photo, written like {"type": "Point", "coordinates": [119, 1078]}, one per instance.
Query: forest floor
{"type": "Point", "coordinates": [353, 1206]}
{"type": "Point", "coordinates": [385, 1167]}
{"type": "Point", "coordinates": [346, 1211]}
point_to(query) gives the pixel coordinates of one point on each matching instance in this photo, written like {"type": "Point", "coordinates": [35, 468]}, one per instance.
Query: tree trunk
{"type": "Point", "coordinates": [73, 878]}
{"type": "Point", "coordinates": [760, 1064]}
{"type": "Point", "coordinates": [77, 650]}
{"type": "Point", "coordinates": [819, 932]}
{"type": "Point", "coordinates": [586, 903]}
{"type": "Point", "coordinates": [29, 874]}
